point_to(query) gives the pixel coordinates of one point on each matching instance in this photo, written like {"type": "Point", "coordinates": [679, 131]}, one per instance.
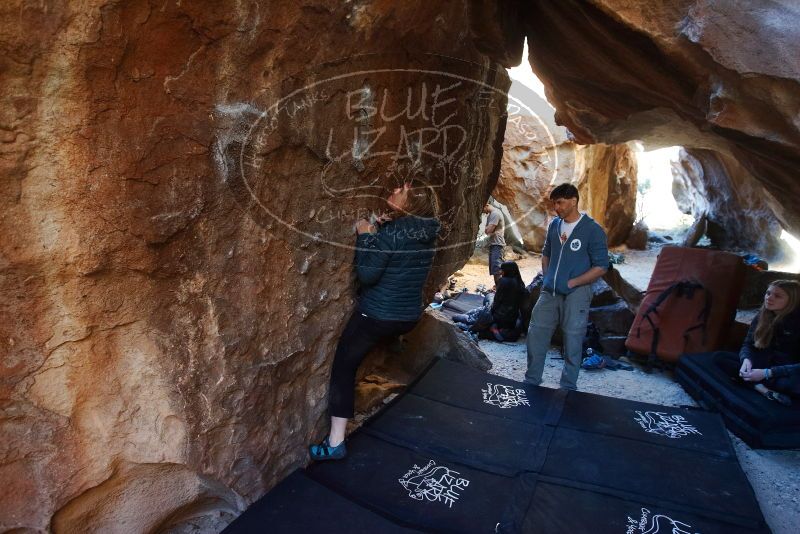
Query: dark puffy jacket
{"type": "Point", "coordinates": [392, 266]}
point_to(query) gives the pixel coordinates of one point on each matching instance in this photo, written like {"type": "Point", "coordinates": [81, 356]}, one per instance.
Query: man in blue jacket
{"type": "Point", "coordinates": [575, 254]}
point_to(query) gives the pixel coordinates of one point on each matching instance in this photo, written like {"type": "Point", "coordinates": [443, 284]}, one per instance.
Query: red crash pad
{"type": "Point", "coordinates": [689, 305]}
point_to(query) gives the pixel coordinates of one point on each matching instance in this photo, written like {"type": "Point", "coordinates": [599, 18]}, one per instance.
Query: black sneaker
{"type": "Point", "coordinates": [780, 398]}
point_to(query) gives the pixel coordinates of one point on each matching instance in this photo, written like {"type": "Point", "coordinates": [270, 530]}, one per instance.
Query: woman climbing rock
{"type": "Point", "coordinates": [393, 259]}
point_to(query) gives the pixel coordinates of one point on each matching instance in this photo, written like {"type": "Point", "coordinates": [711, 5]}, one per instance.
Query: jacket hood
{"type": "Point", "coordinates": [415, 229]}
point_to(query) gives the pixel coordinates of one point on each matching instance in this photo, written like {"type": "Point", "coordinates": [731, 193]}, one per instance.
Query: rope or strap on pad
{"type": "Point", "coordinates": [685, 289]}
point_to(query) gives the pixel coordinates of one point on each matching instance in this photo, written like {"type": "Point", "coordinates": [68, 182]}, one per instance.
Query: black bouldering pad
{"type": "Point", "coordinates": [661, 425]}
{"type": "Point", "coordinates": [420, 490]}
{"type": "Point", "coordinates": [298, 504]}
{"type": "Point", "coordinates": [502, 446]}
{"type": "Point", "coordinates": [561, 508]}
{"type": "Point", "coordinates": [673, 476]}
{"type": "Point", "coordinates": [760, 422]}
{"type": "Point", "coordinates": [455, 454]}
{"type": "Point", "coordinates": [459, 385]}
{"type": "Point", "coordinates": [462, 303]}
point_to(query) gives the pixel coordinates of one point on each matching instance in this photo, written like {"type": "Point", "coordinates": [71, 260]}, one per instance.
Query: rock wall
{"type": "Point", "coordinates": [697, 73]}
{"type": "Point", "coordinates": [607, 188]}
{"type": "Point", "coordinates": [537, 156]}
{"type": "Point", "coordinates": [735, 205]}
{"type": "Point", "coordinates": [534, 159]}
{"type": "Point", "coordinates": [180, 183]}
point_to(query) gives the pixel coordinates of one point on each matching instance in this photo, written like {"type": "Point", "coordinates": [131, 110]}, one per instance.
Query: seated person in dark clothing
{"type": "Point", "coordinates": [507, 301]}
{"type": "Point", "coordinates": [770, 356]}
{"type": "Point", "coordinates": [499, 319]}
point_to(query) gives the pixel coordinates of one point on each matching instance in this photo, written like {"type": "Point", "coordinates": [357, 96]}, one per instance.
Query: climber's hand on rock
{"type": "Point", "coordinates": [363, 226]}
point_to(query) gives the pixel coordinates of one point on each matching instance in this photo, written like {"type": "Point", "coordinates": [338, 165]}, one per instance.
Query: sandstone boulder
{"type": "Point", "coordinates": [434, 337]}
{"type": "Point", "coordinates": [696, 231]}
{"type": "Point", "coordinates": [373, 390]}
{"type": "Point", "coordinates": [630, 294]}
{"type": "Point", "coordinates": [181, 181]}
{"type": "Point", "coordinates": [723, 76]}
{"type": "Point", "coordinates": [716, 187]}
{"type": "Point", "coordinates": [180, 185]}
{"type": "Point", "coordinates": [602, 294]}
{"type": "Point", "coordinates": [607, 188]}
{"type": "Point", "coordinates": [612, 319]}
{"type": "Point", "coordinates": [142, 498]}
{"type": "Point", "coordinates": [535, 157]}
{"type": "Point", "coordinates": [538, 155]}
{"type": "Point", "coordinates": [639, 236]}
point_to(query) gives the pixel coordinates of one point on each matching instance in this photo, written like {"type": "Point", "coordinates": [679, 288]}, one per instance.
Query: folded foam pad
{"type": "Point", "coordinates": [298, 504]}
{"type": "Point", "coordinates": [760, 422]}
{"type": "Point", "coordinates": [461, 386]}
{"type": "Point", "coordinates": [688, 319]}
{"type": "Point", "coordinates": [661, 425]}
{"type": "Point", "coordinates": [503, 446]}
{"type": "Point", "coordinates": [462, 303]}
{"type": "Point", "coordinates": [670, 475]}
{"type": "Point", "coordinates": [421, 490]}
{"type": "Point", "coordinates": [559, 508]}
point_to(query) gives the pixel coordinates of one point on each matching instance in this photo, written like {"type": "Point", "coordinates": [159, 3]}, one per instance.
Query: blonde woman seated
{"type": "Point", "coordinates": [769, 359]}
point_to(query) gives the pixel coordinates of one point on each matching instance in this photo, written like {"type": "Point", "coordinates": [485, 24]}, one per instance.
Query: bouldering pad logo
{"type": "Point", "coordinates": [433, 483]}
{"type": "Point", "coordinates": [650, 523]}
{"type": "Point", "coordinates": [575, 245]}
{"type": "Point", "coordinates": [662, 424]}
{"type": "Point", "coordinates": [504, 396]}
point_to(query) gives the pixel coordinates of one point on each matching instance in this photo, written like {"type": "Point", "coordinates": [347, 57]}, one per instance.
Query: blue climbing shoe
{"type": "Point", "coordinates": [324, 451]}
{"type": "Point", "coordinates": [595, 361]}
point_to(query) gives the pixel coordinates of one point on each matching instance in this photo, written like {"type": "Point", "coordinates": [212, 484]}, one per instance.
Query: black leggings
{"type": "Point", "coordinates": [360, 335]}
{"type": "Point", "coordinates": [730, 365]}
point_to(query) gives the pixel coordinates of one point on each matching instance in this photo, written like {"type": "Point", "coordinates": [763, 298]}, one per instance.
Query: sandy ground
{"type": "Point", "coordinates": [774, 475]}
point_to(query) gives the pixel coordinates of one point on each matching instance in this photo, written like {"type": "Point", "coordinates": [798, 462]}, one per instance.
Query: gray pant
{"type": "Point", "coordinates": [495, 258]}
{"type": "Point", "coordinates": [571, 312]}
